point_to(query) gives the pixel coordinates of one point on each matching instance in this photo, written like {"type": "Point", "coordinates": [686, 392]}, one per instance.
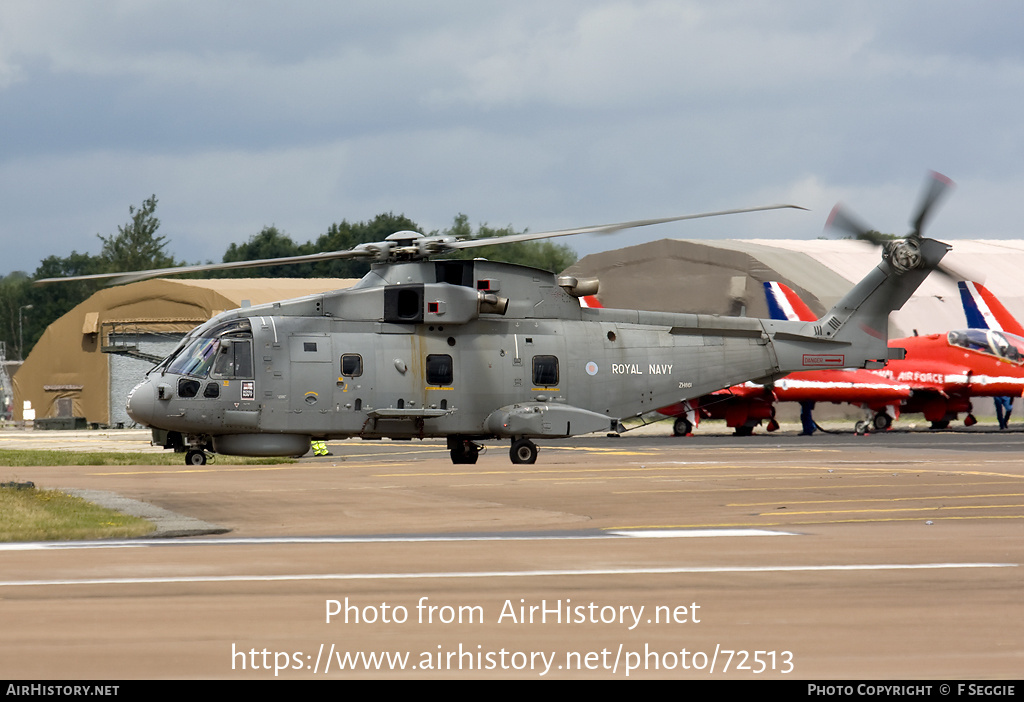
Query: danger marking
{"type": "Point", "coordinates": [817, 359]}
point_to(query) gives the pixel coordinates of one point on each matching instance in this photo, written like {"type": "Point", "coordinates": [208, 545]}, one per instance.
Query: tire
{"type": "Point", "coordinates": [882, 421]}
{"type": "Point", "coordinates": [465, 453]}
{"type": "Point", "coordinates": [681, 427]}
{"type": "Point", "coordinates": [195, 458]}
{"type": "Point", "coordinates": [523, 451]}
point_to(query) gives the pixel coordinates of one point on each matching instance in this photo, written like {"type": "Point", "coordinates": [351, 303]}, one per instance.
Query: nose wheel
{"type": "Point", "coordinates": [523, 451]}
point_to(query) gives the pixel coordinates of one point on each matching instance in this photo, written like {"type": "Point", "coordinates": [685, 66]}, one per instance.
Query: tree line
{"type": "Point", "coordinates": [26, 309]}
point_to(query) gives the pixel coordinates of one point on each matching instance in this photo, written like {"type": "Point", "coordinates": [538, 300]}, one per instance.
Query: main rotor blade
{"type": "Point", "coordinates": [605, 228]}
{"type": "Point", "coordinates": [841, 219]}
{"type": "Point", "coordinates": [133, 276]}
{"type": "Point", "coordinates": [938, 186]}
{"type": "Point", "coordinates": [374, 250]}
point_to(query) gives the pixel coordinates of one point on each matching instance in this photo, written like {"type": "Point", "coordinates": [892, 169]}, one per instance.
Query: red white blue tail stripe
{"type": "Point", "coordinates": [784, 303]}
{"type": "Point", "coordinates": [985, 311]}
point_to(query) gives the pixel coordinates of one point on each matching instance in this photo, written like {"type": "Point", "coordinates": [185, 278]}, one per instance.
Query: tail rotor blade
{"type": "Point", "coordinates": [937, 187]}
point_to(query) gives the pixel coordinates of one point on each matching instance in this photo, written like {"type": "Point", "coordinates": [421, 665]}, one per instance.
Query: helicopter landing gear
{"type": "Point", "coordinates": [195, 457]}
{"type": "Point", "coordinates": [463, 451]}
{"type": "Point", "coordinates": [523, 451]}
{"type": "Point", "coordinates": [681, 427]}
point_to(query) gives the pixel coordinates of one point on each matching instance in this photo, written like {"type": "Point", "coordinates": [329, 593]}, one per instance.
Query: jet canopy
{"type": "Point", "coordinates": [1004, 345]}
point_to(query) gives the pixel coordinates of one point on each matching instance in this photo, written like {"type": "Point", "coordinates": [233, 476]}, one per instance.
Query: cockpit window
{"type": "Point", "coordinates": [233, 340]}
{"type": "Point", "coordinates": [1000, 344]}
{"type": "Point", "coordinates": [196, 359]}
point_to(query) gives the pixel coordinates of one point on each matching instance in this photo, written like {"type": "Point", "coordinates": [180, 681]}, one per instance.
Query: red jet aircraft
{"type": "Point", "coordinates": [941, 371]}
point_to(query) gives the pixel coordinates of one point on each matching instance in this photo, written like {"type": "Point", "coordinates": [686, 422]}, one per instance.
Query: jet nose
{"type": "Point", "coordinates": [141, 405]}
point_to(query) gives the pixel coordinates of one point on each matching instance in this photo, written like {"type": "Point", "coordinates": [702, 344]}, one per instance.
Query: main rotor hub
{"type": "Point", "coordinates": [404, 238]}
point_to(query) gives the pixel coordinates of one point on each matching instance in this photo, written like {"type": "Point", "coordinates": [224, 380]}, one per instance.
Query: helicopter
{"type": "Point", "coordinates": [476, 350]}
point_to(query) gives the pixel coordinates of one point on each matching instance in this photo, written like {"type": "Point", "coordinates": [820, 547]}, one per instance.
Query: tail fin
{"type": "Point", "coordinates": [855, 332]}
{"type": "Point", "coordinates": [861, 317]}
{"type": "Point", "coordinates": [985, 311]}
{"type": "Point", "coordinates": [784, 303]}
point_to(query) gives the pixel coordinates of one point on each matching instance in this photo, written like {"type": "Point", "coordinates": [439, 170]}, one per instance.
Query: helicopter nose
{"type": "Point", "coordinates": [141, 405]}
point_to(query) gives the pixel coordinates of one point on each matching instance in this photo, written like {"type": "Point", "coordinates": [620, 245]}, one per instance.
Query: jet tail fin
{"type": "Point", "coordinates": [985, 311]}
{"type": "Point", "coordinates": [784, 303]}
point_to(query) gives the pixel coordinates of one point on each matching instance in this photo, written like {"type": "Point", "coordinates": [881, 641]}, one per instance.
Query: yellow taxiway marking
{"type": "Point", "coordinates": [521, 470]}
{"type": "Point", "coordinates": [880, 499]}
{"type": "Point", "coordinates": [788, 488]}
{"type": "Point", "coordinates": [603, 451]}
{"type": "Point", "coordinates": [239, 469]}
{"type": "Point", "coordinates": [812, 522]}
{"type": "Point", "coordinates": [938, 508]}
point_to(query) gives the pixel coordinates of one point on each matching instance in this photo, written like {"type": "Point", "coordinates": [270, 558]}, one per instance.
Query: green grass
{"type": "Point", "coordinates": [48, 515]}
{"type": "Point", "coordinates": [35, 457]}
{"type": "Point", "coordinates": [51, 515]}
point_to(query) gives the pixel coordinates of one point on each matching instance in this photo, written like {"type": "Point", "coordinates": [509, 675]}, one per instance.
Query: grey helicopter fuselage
{"type": "Point", "coordinates": [473, 350]}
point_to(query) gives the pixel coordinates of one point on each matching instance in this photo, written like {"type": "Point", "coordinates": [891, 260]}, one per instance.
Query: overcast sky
{"type": "Point", "coordinates": [239, 114]}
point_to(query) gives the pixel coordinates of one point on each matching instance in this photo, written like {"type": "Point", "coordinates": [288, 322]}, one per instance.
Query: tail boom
{"type": "Point", "coordinates": [855, 332]}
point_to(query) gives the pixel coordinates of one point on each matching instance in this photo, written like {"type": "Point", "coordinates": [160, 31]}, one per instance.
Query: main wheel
{"type": "Point", "coordinates": [681, 427]}
{"type": "Point", "coordinates": [882, 421]}
{"type": "Point", "coordinates": [523, 451]}
{"type": "Point", "coordinates": [465, 452]}
{"type": "Point", "coordinates": [195, 458]}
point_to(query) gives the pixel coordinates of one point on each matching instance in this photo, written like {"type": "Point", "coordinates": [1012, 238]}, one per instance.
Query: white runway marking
{"type": "Point", "coordinates": [496, 574]}
{"type": "Point", "coordinates": [695, 533]}
{"type": "Point", "coordinates": [398, 538]}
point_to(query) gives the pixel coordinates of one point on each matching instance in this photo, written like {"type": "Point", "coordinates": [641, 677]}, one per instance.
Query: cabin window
{"type": "Point", "coordinates": [188, 387]}
{"type": "Point", "coordinates": [545, 370]}
{"type": "Point", "coordinates": [234, 359]}
{"type": "Point", "coordinates": [351, 365]}
{"type": "Point", "coordinates": [440, 369]}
